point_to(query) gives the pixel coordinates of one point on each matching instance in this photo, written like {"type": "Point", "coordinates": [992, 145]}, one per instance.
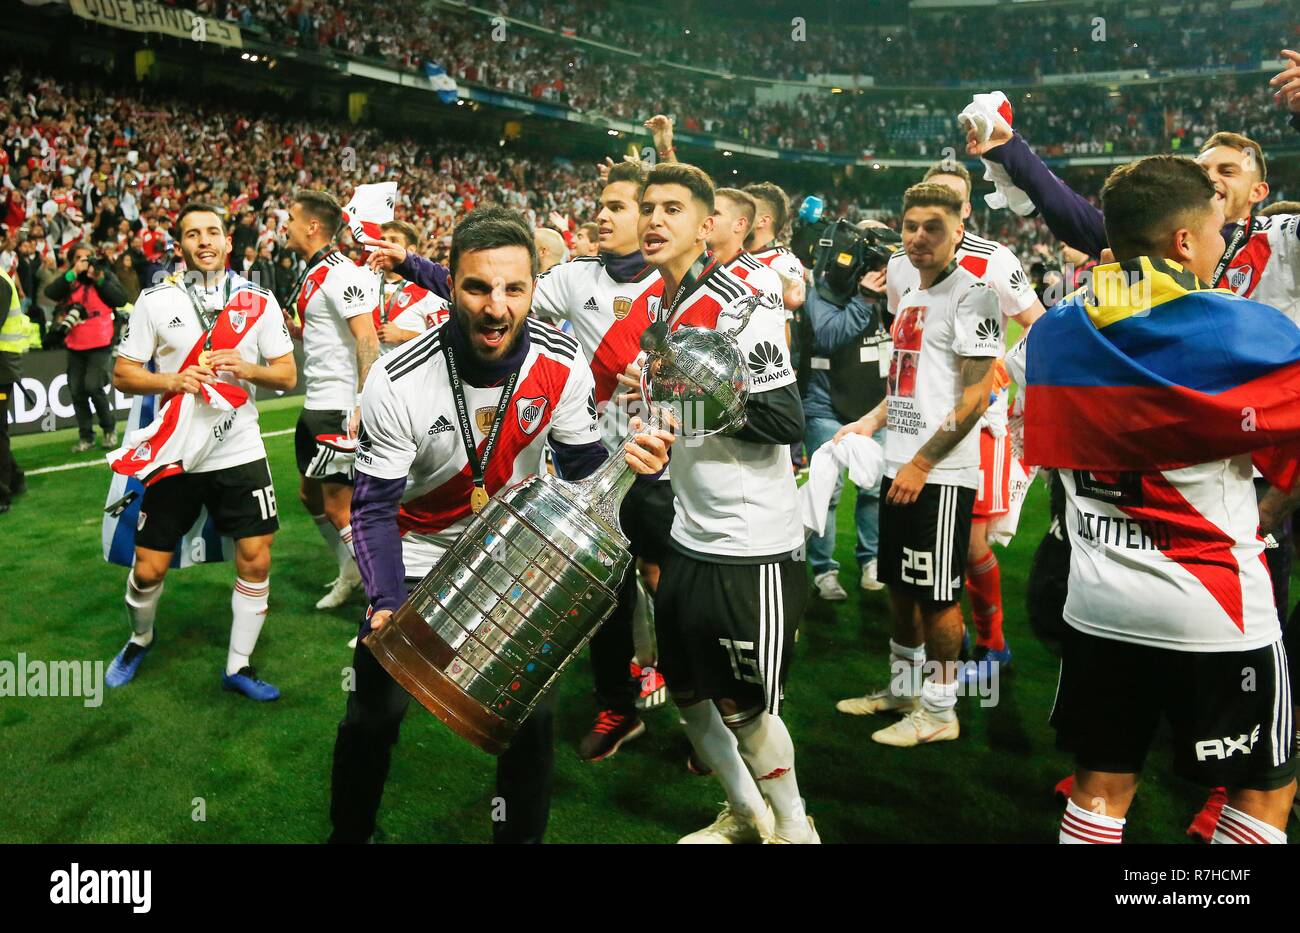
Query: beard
{"type": "Point", "coordinates": [471, 327]}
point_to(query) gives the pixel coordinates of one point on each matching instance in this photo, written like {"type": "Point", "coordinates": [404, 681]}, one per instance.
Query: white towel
{"type": "Point", "coordinates": [865, 460]}
{"type": "Point", "coordinates": [982, 114]}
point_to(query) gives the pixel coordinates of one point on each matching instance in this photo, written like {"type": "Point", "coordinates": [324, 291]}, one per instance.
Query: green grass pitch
{"type": "Point", "coordinates": [131, 769]}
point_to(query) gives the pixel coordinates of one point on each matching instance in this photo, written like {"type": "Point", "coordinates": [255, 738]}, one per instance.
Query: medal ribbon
{"type": "Point", "coordinates": [477, 467]}
{"type": "Point", "coordinates": [1234, 247]}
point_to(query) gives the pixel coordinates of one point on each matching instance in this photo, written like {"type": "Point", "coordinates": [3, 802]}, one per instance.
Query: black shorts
{"type": "Point", "coordinates": [726, 631]}
{"type": "Point", "coordinates": [240, 499]}
{"type": "Point", "coordinates": [647, 519]}
{"type": "Point", "coordinates": [317, 461]}
{"type": "Point", "coordinates": [1229, 711]}
{"type": "Point", "coordinates": [923, 545]}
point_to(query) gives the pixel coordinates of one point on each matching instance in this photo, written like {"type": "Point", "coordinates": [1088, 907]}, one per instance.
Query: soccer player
{"type": "Point", "coordinates": [606, 299]}
{"type": "Point", "coordinates": [733, 218]}
{"type": "Point", "coordinates": [947, 334]}
{"type": "Point", "coordinates": [1169, 597]}
{"type": "Point", "coordinates": [773, 212]}
{"type": "Point", "coordinates": [335, 301]}
{"type": "Point", "coordinates": [206, 332]}
{"type": "Point", "coordinates": [731, 592]}
{"type": "Point", "coordinates": [551, 250]}
{"type": "Point", "coordinates": [1261, 261]}
{"type": "Point", "coordinates": [997, 266]}
{"type": "Point", "coordinates": [405, 310]}
{"type": "Point", "coordinates": [587, 240]}
{"type": "Point", "coordinates": [414, 473]}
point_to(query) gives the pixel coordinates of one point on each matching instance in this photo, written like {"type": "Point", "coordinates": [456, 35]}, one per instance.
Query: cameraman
{"type": "Point", "coordinates": [848, 353]}
{"type": "Point", "coordinates": [87, 294]}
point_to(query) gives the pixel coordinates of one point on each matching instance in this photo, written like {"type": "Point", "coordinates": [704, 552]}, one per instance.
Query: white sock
{"type": "Point", "coordinates": [327, 531]}
{"type": "Point", "coordinates": [347, 555]}
{"type": "Point", "coordinates": [939, 699]}
{"type": "Point", "coordinates": [248, 611]}
{"type": "Point", "coordinates": [1083, 827]}
{"type": "Point", "coordinates": [141, 608]}
{"type": "Point", "coordinates": [716, 746]}
{"type": "Point", "coordinates": [1237, 828]}
{"type": "Point", "coordinates": [906, 669]}
{"type": "Point", "coordinates": [767, 748]}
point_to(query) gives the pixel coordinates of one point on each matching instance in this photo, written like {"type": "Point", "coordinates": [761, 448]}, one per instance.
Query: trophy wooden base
{"type": "Point", "coordinates": [414, 655]}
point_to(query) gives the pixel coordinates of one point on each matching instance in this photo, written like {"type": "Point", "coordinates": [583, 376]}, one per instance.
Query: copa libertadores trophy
{"type": "Point", "coordinates": [489, 629]}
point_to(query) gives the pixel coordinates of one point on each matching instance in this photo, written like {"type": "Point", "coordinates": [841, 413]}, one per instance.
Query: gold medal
{"type": "Point", "coordinates": [478, 499]}
{"type": "Point", "coordinates": [204, 357]}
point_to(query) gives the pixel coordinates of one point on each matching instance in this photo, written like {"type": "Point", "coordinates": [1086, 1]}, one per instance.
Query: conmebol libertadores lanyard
{"type": "Point", "coordinates": [479, 497]}
{"type": "Point", "coordinates": [208, 324]}
{"type": "Point", "coordinates": [1234, 247]}
{"type": "Point", "coordinates": [653, 335]}
{"type": "Point", "coordinates": [302, 277]}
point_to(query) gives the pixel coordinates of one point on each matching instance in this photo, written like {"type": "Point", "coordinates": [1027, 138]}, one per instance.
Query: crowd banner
{"type": "Point", "coordinates": [143, 16]}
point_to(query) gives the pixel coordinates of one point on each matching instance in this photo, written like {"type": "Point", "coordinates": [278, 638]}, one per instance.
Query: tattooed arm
{"type": "Point", "coordinates": [976, 382]}
{"type": "Point", "coordinates": [363, 330]}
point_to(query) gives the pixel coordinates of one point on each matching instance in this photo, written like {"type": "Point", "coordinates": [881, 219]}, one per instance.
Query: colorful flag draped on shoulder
{"type": "Point", "coordinates": [441, 82]}
{"type": "Point", "coordinates": [1149, 369]}
{"type": "Point", "coordinates": [370, 208]}
{"type": "Point", "coordinates": [201, 544]}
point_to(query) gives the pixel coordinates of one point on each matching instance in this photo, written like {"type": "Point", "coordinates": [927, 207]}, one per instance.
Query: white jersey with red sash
{"type": "Point", "coordinates": [222, 428]}
{"type": "Point", "coordinates": [1265, 263]}
{"type": "Point", "coordinates": [735, 499]}
{"type": "Point", "coordinates": [608, 315]}
{"type": "Point", "coordinates": [763, 277]}
{"type": "Point", "coordinates": [410, 430]}
{"type": "Point", "coordinates": [410, 307]}
{"type": "Point", "coordinates": [333, 290]}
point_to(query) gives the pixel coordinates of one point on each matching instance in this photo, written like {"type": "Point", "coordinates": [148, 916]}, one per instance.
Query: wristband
{"type": "Point", "coordinates": [664, 152]}
{"type": "Point", "coordinates": [358, 400]}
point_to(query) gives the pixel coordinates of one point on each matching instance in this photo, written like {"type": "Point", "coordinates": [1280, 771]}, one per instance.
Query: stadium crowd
{"type": "Point", "coordinates": [119, 173]}
{"type": "Point", "coordinates": [1073, 119]}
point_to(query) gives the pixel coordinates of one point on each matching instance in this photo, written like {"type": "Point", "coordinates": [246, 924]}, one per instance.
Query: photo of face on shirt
{"type": "Point", "coordinates": [908, 327]}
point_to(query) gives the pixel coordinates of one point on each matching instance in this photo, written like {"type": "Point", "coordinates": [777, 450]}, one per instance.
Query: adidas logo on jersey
{"type": "Point", "coordinates": [353, 295]}
{"type": "Point", "coordinates": [988, 329]}
{"type": "Point", "coordinates": [766, 362]}
{"type": "Point", "coordinates": [441, 426]}
{"type": "Point", "coordinates": [175, 322]}
{"type": "Point", "coordinates": [591, 305]}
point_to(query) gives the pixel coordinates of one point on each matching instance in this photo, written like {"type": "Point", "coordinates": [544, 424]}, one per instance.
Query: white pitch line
{"type": "Point", "coordinates": [89, 463]}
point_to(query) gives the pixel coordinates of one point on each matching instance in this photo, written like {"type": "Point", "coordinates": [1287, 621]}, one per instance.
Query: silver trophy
{"type": "Point", "coordinates": [524, 588]}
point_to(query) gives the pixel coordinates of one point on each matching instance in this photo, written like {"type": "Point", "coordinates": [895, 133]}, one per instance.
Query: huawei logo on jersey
{"type": "Point", "coordinates": [988, 329]}
{"type": "Point", "coordinates": [766, 358]}
{"type": "Point", "coordinates": [1019, 281]}
{"type": "Point", "coordinates": [530, 413]}
{"type": "Point", "coordinates": [591, 404]}
{"type": "Point", "coordinates": [353, 295]}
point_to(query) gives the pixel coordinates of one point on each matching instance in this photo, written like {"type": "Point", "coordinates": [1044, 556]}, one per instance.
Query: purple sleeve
{"type": "Point", "coordinates": [577, 461]}
{"type": "Point", "coordinates": [1069, 215]}
{"type": "Point", "coordinates": [376, 540]}
{"type": "Point", "coordinates": [426, 273]}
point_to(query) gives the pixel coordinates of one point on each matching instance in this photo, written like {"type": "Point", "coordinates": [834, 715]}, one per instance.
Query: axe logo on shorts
{"type": "Point", "coordinates": [530, 413]}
